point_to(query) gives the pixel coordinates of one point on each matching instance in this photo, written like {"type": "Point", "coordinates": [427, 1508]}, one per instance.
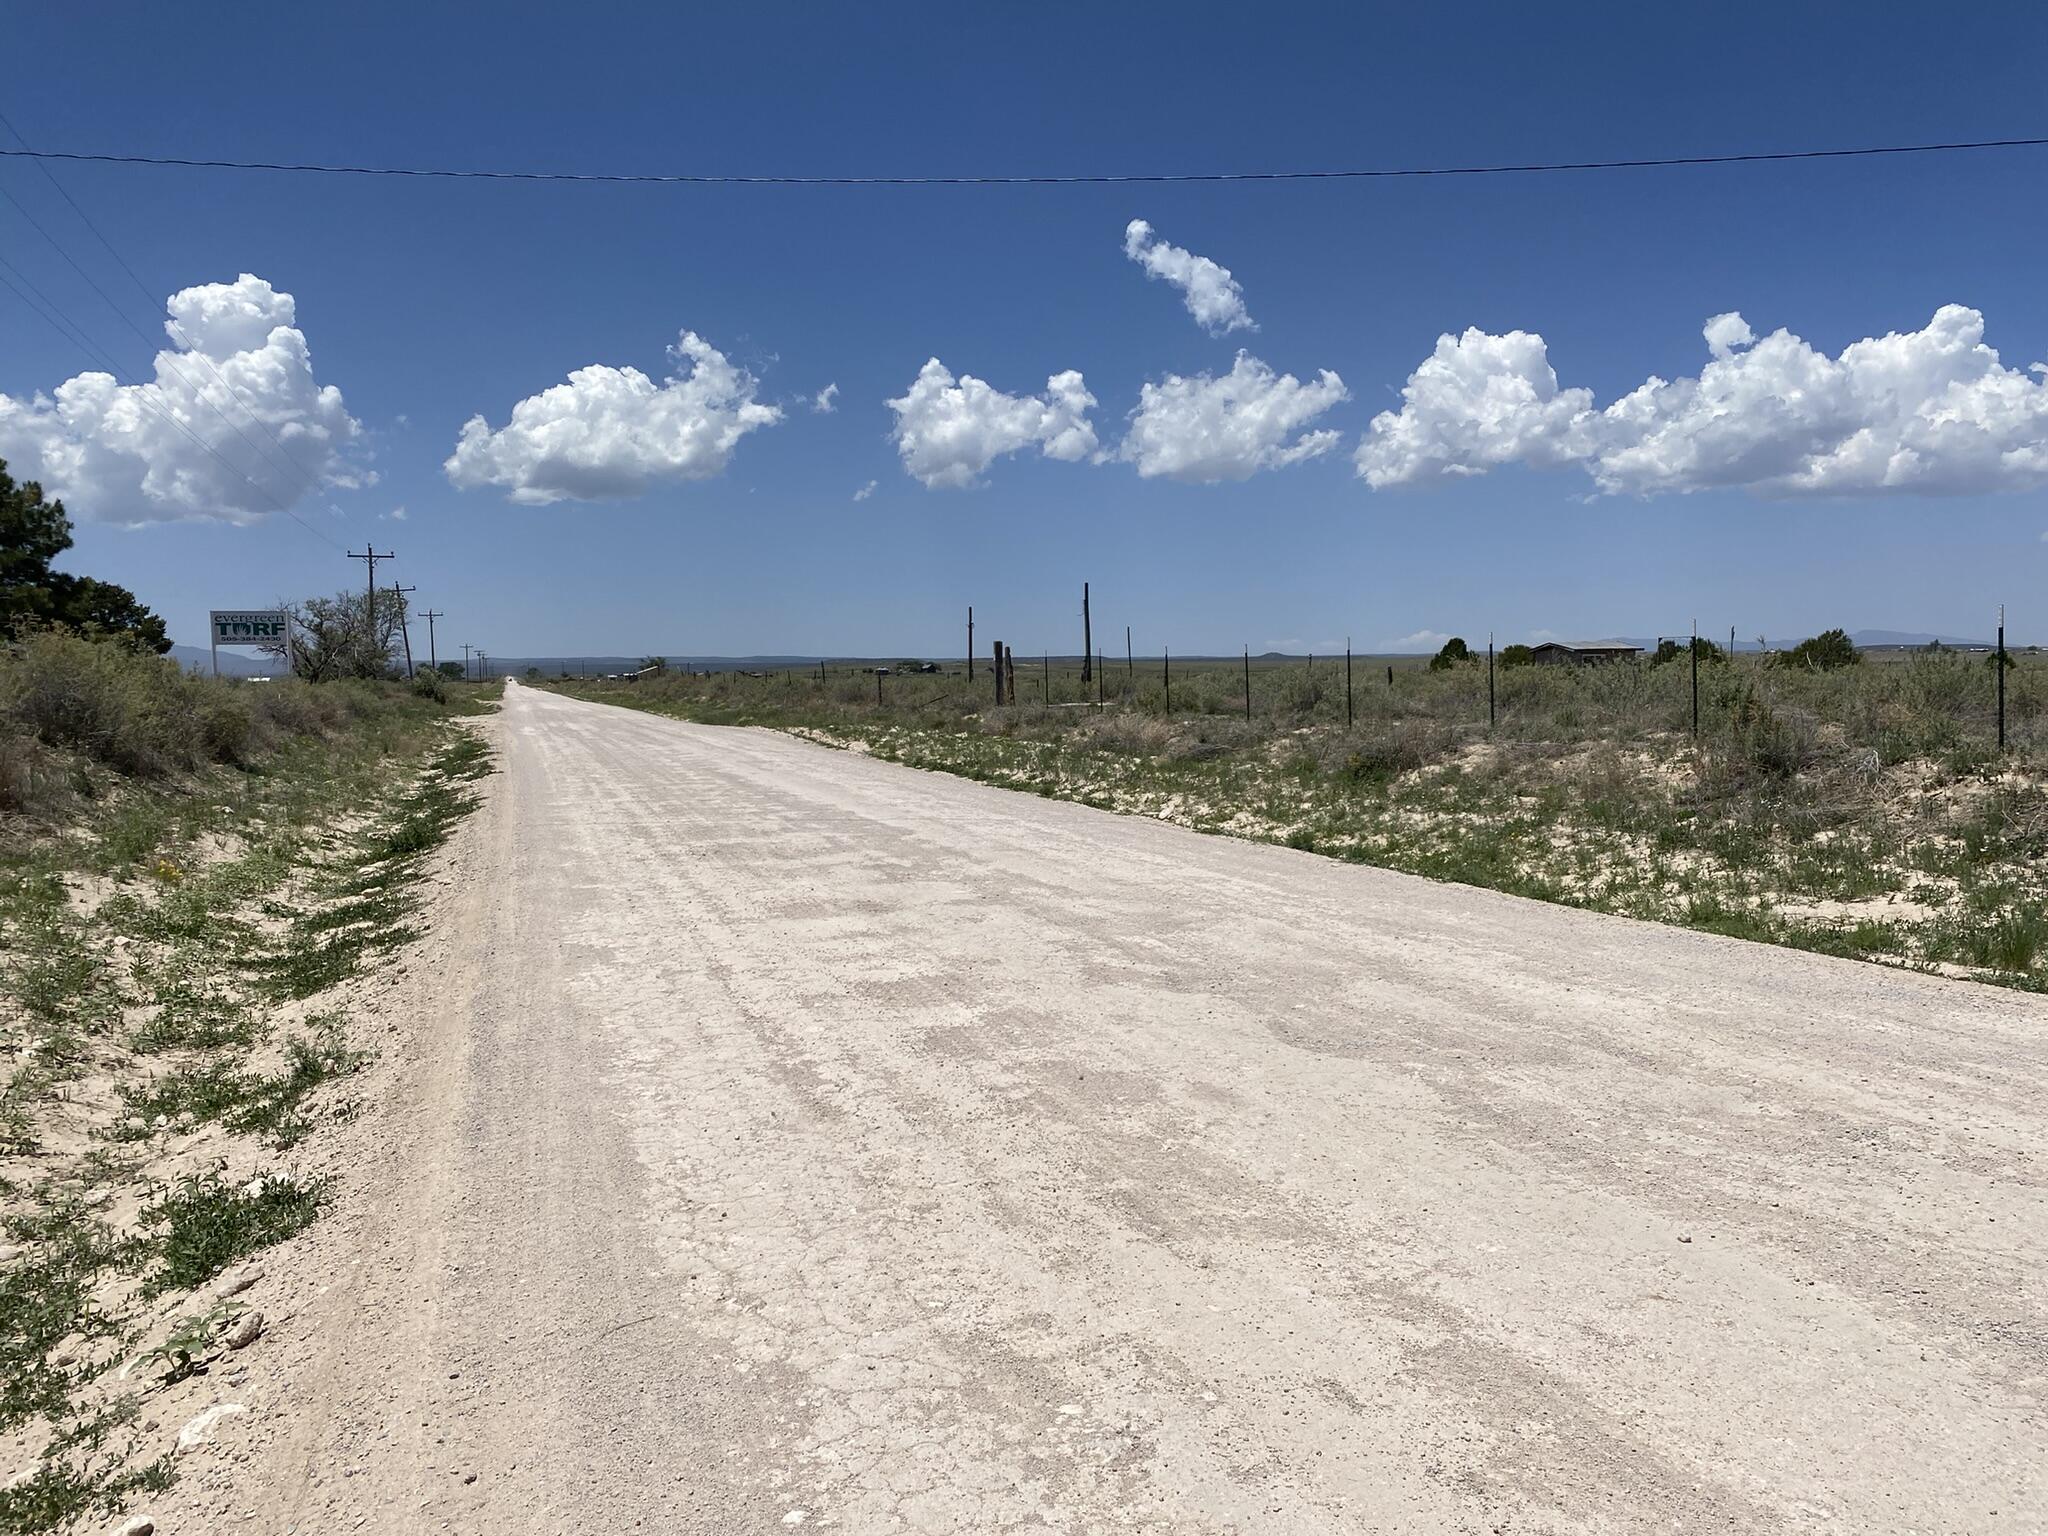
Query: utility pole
{"type": "Point", "coordinates": [481, 658]}
{"type": "Point", "coordinates": [1491, 716]}
{"type": "Point", "coordinates": [1087, 635]}
{"type": "Point", "coordinates": [405, 626]}
{"type": "Point", "coordinates": [370, 557]}
{"type": "Point", "coordinates": [433, 658]}
{"type": "Point", "coordinates": [1130, 665]}
{"type": "Point", "coordinates": [970, 642]}
{"type": "Point", "coordinates": [465, 663]}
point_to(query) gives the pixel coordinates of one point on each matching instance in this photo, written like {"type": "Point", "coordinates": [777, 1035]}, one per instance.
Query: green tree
{"type": "Point", "coordinates": [1671, 650]}
{"type": "Point", "coordinates": [1455, 650]}
{"type": "Point", "coordinates": [1829, 649]}
{"type": "Point", "coordinates": [33, 533]}
{"type": "Point", "coordinates": [1517, 656]}
{"type": "Point", "coordinates": [452, 669]}
{"type": "Point", "coordinates": [332, 636]}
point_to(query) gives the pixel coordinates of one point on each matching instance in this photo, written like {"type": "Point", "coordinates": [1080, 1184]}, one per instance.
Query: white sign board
{"type": "Point", "coordinates": [250, 626]}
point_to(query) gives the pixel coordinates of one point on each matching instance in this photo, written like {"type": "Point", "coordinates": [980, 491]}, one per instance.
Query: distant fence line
{"type": "Point", "coordinates": [1299, 686]}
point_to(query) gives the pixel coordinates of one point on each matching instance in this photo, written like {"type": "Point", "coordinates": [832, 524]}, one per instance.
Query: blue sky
{"type": "Point", "coordinates": [426, 303]}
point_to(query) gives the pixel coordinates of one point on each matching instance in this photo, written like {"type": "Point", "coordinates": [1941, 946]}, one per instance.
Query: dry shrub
{"type": "Point", "coordinates": [1380, 753]}
{"type": "Point", "coordinates": [1124, 731]}
{"type": "Point", "coordinates": [132, 712]}
{"type": "Point", "coordinates": [34, 781]}
{"type": "Point", "coordinates": [66, 701]}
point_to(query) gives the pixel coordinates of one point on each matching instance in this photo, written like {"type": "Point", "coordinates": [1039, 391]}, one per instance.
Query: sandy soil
{"type": "Point", "coordinates": [788, 1139]}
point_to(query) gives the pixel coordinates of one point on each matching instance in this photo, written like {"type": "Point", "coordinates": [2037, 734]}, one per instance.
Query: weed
{"type": "Point", "coordinates": [60, 1493]}
{"type": "Point", "coordinates": [190, 1342]}
{"type": "Point", "coordinates": [202, 1224]}
{"type": "Point", "coordinates": [46, 1298]}
{"type": "Point", "coordinates": [246, 1103]}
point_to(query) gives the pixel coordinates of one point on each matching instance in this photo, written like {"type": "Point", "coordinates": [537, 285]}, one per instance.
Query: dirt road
{"type": "Point", "coordinates": [794, 1140]}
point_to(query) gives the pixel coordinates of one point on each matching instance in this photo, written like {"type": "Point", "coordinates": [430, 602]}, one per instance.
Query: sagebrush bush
{"type": "Point", "coordinates": [1375, 754]}
{"type": "Point", "coordinates": [68, 702]}
{"type": "Point", "coordinates": [133, 712]}
{"type": "Point", "coordinates": [31, 780]}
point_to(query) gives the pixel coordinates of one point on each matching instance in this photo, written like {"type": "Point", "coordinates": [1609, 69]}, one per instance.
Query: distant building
{"type": "Point", "coordinates": [1572, 653]}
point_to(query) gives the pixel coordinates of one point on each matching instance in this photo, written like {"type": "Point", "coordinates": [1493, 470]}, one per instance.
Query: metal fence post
{"type": "Point", "coordinates": [2001, 677]}
{"type": "Point", "coordinates": [1695, 679]}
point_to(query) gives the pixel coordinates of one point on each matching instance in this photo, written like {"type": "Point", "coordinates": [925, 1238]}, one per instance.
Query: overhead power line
{"type": "Point", "coordinates": [168, 360]}
{"type": "Point", "coordinates": [1529, 168]}
{"type": "Point", "coordinates": [71, 331]}
{"type": "Point", "coordinates": [292, 467]}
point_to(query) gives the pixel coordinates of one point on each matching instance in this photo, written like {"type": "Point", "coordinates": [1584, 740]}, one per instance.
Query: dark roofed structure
{"type": "Point", "coordinates": [1573, 653]}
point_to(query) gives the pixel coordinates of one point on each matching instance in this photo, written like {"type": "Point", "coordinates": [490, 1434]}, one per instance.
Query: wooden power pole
{"type": "Point", "coordinates": [405, 626]}
{"type": "Point", "coordinates": [433, 658]}
{"type": "Point", "coordinates": [370, 557]}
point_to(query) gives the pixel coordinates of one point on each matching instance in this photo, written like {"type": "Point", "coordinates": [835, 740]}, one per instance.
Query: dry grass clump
{"type": "Point", "coordinates": [70, 707]}
{"type": "Point", "coordinates": [1376, 752]}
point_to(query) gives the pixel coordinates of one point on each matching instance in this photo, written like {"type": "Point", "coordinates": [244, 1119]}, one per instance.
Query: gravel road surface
{"type": "Point", "coordinates": [794, 1140]}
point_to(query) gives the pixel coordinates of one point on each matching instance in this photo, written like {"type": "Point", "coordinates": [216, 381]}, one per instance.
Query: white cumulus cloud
{"type": "Point", "coordinates": [1725, 333]}
{"type": "Point", "coordinates": [865, 491]}
{"type": "Point", "coordinates": [1476, 402]}
{"type": "Point", "coordinates": [1209, 291]}
{"type": "Point", "coordinates": [1229, 427]}
{"type": "Point", "coordinates": [613, 432]}
{"type": "Point", "coordinates": [948, 431]}
{"type": "Point", "coordinates": [1931, 411]}
{"type": "Point", "coordinates": [825, 401]}
{"type": "Point", "coordinates": [231, 425]}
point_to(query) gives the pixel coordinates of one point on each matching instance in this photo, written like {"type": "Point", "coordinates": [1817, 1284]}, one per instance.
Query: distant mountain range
{"type": "Point", "coordinates": [1899, 637]}
{"type": "Point", "coordinates": [233, 663]}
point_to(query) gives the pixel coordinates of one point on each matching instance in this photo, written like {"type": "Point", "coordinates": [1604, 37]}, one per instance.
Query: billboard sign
{"type": "Point", "coordinates": [268, 627]}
